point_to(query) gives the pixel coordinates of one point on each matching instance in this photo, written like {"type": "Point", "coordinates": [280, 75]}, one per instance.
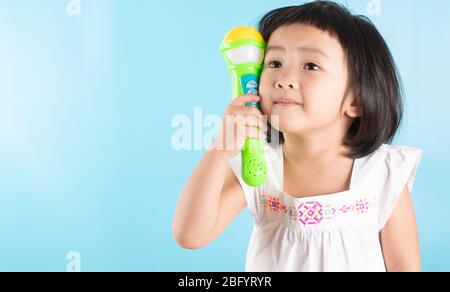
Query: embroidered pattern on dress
{"type": "Point", "coordinates": [313, 212]}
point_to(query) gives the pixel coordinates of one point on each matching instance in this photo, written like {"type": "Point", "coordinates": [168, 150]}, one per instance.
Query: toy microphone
{"type": "Point", "coordinates": [243, 49]}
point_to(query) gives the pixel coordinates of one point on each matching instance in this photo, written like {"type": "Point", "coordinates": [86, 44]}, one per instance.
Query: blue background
{"type": "Point", "coordinates": [86, 103]}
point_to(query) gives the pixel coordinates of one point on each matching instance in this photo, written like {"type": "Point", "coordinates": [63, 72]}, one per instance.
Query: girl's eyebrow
{"type": "Point", "coordinates": [301, 49]}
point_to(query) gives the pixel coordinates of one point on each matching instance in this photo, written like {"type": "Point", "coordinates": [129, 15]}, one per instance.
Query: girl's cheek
{"type": "Point", "coordinates": [265, 105]}
{"type": "Point", "coordinates": [264, 87]}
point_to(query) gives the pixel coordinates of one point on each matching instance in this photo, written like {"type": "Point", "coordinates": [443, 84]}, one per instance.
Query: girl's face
{"type": "Point", "coordinates": [307, 66]}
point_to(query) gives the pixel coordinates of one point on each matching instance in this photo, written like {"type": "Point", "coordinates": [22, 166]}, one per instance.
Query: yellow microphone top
{"type": "Point", "coordinates": [243, 32]}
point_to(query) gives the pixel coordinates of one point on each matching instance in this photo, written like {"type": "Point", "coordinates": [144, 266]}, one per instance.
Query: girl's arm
{"type": "Point", "coordinates": [210, 200]}
{"type": "Point", "coordinates": [399, 238]}
{"type": "Point", "coordinates": [212, 197]}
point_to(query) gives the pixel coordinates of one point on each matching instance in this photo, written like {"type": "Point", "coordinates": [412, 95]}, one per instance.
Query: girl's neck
{"type": "Point", "coordinates": [320, 150]}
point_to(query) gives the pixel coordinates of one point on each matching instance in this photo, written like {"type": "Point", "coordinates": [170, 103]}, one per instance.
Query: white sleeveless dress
{"type": "Point", "coordinates": [333, 232]}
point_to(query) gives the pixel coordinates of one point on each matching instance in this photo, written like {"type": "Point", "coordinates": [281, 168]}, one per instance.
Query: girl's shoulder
{"type": "Point", "coordinates": [400, 149]}
{"type": "Point", "coordinates": [388, 151]}
{"type": "Point", "coordinates": [392, 164]}
{"type": "Point", "coordinates": [397, 169]}
{"type": "Point", "coordinates": [392, 158]}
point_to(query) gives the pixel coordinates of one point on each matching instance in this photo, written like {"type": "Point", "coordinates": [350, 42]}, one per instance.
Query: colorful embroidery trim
{"type": "Point", "coordinates": [313, 212]}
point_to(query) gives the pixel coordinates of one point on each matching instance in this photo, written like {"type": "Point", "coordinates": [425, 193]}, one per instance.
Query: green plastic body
{"type": "Point", "coordinates": [254, 167]}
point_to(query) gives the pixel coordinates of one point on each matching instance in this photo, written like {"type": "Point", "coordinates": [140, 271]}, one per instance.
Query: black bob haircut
{"type": "Point", "coordinates": [373, 75]}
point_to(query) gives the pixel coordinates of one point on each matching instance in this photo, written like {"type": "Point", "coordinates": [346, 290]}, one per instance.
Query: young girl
{"type": "Point", "coordinates": [337, 197]}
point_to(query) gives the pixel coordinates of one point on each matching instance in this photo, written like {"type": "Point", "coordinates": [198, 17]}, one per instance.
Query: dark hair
{"type": "Point", "coordinates": [372, 71]}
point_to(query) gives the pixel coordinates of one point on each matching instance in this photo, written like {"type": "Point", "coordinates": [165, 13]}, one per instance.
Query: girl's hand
{"type": "Point", "coordinates": [239, 122]}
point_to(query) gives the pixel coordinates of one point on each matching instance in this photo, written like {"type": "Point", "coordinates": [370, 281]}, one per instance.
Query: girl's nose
{"type": "Point", "coordinates": [287, 84]}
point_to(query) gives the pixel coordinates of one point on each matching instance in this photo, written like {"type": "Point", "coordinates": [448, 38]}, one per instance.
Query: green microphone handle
{"type": "Point", "coordinates": [245, 80]}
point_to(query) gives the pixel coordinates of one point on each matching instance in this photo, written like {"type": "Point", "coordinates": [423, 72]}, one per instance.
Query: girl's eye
{"type": "Point", "coordinates": [311, 67]}
{"type": "Point", "coordinates": [274, 64]}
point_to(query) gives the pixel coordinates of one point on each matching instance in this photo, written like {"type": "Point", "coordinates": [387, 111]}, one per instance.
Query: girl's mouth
{"type": "Point", "coordinates": [286, 102]}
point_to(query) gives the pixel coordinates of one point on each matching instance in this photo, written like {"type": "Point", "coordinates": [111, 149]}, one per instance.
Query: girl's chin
{"type": "Point", "coordinates": [285, 119]}
{"type": "Point", "coordinates": [285, 127]}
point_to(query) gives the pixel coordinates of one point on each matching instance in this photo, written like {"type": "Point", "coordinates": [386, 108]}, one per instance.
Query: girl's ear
{"type": "Point", "coordinates": [354, 107]}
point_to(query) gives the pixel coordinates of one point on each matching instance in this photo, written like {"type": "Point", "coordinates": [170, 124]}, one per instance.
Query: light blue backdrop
{"type": "Point", "coordinates": [86, 103]}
